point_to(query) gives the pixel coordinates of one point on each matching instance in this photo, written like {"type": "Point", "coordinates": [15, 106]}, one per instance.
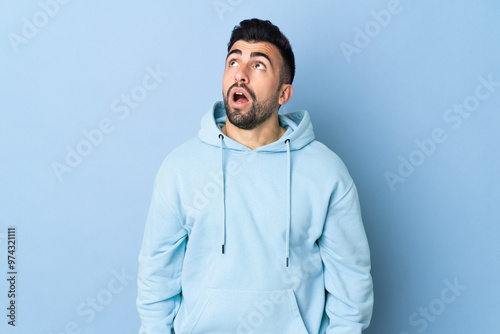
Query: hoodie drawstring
{"type": "Point", "coordinates": [221, 136]}
{"type": "Point", "coordinates": [289, 204]}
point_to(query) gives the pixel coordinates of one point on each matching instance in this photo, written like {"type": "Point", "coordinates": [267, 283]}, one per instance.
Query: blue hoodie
{"type": "Point", "coordinates": [264, 241]}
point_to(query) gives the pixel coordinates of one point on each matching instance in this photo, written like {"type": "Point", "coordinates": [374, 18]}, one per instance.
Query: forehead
{"type": "Point", "coordinates": [248, 47]}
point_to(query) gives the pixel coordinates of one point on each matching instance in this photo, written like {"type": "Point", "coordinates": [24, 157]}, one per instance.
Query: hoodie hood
{"type": "Point", "coordinates": [299, 131]}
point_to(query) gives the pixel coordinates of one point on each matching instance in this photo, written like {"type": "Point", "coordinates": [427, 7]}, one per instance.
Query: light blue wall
{"type": "Point", "coordinates": [382, 80]}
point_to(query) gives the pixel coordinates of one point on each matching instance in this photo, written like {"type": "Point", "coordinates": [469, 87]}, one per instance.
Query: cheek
{"type": "Point", "coordinates": [227, 78]}
{"type": "Point", "coordinates": [225, 84]}
{"type": "Point", "coordinates": [266, 90]}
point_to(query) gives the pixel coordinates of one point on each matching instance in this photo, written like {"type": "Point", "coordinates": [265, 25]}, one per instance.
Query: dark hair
{"type": "Point", "coordinates": [256, 30]}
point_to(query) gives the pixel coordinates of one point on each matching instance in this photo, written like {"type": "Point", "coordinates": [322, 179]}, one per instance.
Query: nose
{"type": "Point", "coordinates": [241, 75]}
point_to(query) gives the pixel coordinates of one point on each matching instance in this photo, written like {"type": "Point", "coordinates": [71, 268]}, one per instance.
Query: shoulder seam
{"type": "Point", "coordinates": [344, 195]}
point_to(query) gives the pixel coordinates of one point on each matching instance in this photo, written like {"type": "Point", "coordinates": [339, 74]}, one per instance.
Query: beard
{"type": "Point", "coordinates": [259, 112]}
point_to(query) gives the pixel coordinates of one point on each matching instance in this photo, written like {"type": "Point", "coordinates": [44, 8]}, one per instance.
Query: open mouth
{"type": "Point", "coordinates": [239, 98]}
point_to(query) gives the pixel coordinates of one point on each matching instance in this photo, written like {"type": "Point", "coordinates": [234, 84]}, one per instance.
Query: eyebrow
{"type": "Point", "coordinates": [252, 55]}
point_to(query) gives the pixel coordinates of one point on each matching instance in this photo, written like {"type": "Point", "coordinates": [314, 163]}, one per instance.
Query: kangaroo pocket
{"type": "Point", "coordinates": [245, 312]}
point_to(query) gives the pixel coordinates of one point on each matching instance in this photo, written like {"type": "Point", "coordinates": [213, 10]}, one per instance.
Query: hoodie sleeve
{"type": "Point", "coordinates": [346, 258]}
{"type": "Point", "coordinates": [160, 267]}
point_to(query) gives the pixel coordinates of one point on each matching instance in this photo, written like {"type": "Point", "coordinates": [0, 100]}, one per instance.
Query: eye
{"type": "Point", "coordinates": [260, 66]}
{"type": "Point", "coordinates": [232, 63]}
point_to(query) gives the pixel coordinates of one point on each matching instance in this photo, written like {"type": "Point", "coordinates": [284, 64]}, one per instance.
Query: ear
{"type": "Point", "coordinates": [286, 92]}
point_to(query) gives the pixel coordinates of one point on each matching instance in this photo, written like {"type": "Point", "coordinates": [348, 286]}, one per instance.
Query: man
{"type": "Point", "coordinates": [254, 226]}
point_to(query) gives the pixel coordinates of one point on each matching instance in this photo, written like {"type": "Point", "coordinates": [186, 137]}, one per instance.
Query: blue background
{"type": "Point", "coordinates": [80, 228]}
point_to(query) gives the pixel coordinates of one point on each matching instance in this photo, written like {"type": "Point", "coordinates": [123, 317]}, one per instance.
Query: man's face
{"type": "Point", "coordinates": [251, 83]}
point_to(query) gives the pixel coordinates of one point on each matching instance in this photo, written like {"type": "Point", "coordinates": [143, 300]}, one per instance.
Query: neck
{"type": "Point", "coordinates": [267, 133]}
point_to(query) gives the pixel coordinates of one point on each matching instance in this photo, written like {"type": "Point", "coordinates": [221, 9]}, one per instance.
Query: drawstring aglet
{"type": "Point", "coordinates": [222, 249]}
{"type": "Point", "coordinates": [287, 262]}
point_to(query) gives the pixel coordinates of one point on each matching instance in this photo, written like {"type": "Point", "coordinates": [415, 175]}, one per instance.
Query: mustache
{"type": "Point", "coordinates": [241, 85]}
